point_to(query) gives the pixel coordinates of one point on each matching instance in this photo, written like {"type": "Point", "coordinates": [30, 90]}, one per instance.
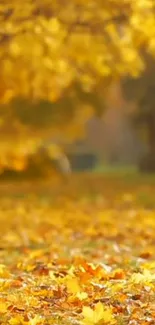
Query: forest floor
{"type": "Point", "coordinates": [80, 253]}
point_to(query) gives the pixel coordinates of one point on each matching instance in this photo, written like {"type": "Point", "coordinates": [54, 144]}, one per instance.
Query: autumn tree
{"type": "Point", "coordinates": [51, 49]}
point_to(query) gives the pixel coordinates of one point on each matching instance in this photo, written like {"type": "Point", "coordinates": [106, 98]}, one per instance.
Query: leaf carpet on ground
{"type": "Point", "coordinates": [78, 259]}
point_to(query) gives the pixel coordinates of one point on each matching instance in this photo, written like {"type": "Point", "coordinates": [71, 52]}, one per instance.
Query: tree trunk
{"type": "Point", "coordinates": [151, 133]}
{"type": "Point", "coordinates": [147, 163]}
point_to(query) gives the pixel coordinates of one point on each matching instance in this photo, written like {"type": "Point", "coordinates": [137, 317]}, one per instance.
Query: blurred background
{"type": "Point", "coordinates": [123, 136]}
{"type": "Point", "coordinates": [77, 88]}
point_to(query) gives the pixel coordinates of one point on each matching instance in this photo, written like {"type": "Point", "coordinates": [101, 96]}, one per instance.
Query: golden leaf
{"type": "Point", "coordinates": [3, 307]}
{"type": "Point", "coordinates": [4, 273]}
{"type": "Point", "coordinates": [100, 314]}
{"type": "Point", "coordinates": [73, 286]}
{"type": "Point", "coordinates": [35, 320]}
{"type": "Point", "coordinates": [82, 295]}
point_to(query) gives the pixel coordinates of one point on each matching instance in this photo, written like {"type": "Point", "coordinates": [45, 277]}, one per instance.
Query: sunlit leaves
{"type": "Point", "coordinates": [58, 43]}
{"type": "Point", "coordinates": [143, 278]}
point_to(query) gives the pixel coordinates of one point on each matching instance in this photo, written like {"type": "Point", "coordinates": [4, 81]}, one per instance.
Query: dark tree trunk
{"type": "Point", "coordinates": [151, 133]}
{"type": "Point", "coordinates": [147, 163]}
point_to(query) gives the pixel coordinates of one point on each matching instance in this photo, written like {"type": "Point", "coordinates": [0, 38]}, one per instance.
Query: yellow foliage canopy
{"type": "Point", "coordinates": [47, 45]}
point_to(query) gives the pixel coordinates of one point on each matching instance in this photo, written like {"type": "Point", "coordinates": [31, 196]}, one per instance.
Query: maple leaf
{"type": "Point", "coordinates": [75, 289]}
{"type": "Point", "coordinates": [73, 285]}
{"type": "Point", "coordinates": [100, 315]}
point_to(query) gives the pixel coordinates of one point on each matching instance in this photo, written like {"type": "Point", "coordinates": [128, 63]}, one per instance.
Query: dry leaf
{"type": "Point", "coordinates": [100, 315]}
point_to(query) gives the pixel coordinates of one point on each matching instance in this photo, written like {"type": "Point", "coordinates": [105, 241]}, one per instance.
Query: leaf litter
{"type": "Point", "coordinates": [76, 261]}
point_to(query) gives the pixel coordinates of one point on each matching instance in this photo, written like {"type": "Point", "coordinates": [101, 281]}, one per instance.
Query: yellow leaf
{"type": "Point", "coordinates": [18, 320]}
{"type": "Point", "coordinates": [71, 271]}
{"type": "Point", "coordinates": [3, 307]}
{"type": "Point", "coordinates": [35, 320]}
{"type": "Point", "coordinates": [14, 321]}
{"type": "Point", "coordinates": [73, 285]}
{"type": "Point", "coordinates": [54, 25]}
{"type": "Point", "coordinates": [100, 314]}
{"type": "Point", "coordinates": [82, 295]}
{"type": "Point", "coordinates": [52, 275]}
{"type": "Point", "coordinates": [4, 273]}
{"type": "Point", "coordinates": [88, 315]}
